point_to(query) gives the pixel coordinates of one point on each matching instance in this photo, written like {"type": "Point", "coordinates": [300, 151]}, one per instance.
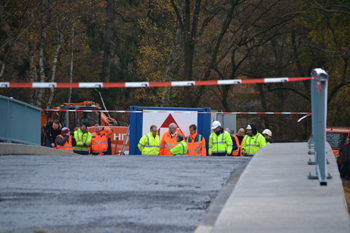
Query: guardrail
{"type": "Point", "coordinates": [19, 122]}
{"type": "Point", "coordinates": [319, 89]}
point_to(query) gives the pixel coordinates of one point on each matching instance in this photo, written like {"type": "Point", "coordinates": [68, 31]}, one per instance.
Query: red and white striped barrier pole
{"type": "Point", "coordinates": [155, 111]}
{"type": "Point", "coordinates": [150, 84]}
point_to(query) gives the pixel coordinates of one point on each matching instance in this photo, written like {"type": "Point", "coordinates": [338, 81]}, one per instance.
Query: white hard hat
{"type": "Point", "coordinates": [249, 127]}
{"type": "Point", "coordinates": [268, 132]}
{"type": "Point", "coordinates": [215, 124]}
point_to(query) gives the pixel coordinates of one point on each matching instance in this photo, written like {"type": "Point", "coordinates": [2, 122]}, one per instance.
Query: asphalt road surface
{"type": "Point", "coordinates": [109, 194]}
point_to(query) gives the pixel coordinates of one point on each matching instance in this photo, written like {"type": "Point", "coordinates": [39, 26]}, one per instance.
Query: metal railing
{"type": "Point", "coordinates": [319, 89]}
{"type": "Point", "coordinates": [19, 122]}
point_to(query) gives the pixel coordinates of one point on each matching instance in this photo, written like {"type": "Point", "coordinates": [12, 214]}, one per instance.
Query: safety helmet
{"type": "Point", "coordinates": [249, 127]}
{"type": "Point", "coordinates": [268, 132]}
{"type": "Point", "coordinates": [215, 124]}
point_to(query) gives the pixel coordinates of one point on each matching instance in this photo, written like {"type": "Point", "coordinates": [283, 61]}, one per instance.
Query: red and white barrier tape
{"type": "Point", "coordinates": [149, 84]}
{"type": "Point", "coordinates": [309, 114]}
{"type": "Point", "coordinates": [155, 111]}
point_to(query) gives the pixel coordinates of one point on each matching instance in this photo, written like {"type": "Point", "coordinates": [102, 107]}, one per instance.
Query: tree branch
{"type": "Point", "coordinates": [291, 89]}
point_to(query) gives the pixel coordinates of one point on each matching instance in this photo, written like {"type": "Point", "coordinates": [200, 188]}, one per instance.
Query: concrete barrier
{"type": "Point", "coordinates": [274, 194]}
{"type": "Point", "coordinates": [20, 149]}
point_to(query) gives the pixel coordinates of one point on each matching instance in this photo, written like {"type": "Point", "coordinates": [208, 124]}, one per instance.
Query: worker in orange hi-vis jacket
{"type": "Point", "coordinates": [99, 140]}
{"type": "Point", "coordinates": [65, 141]}
{"type": "Point", "coordinates": [169, 140]}
{"type": "Point", "coordinates": [195, 143]}
{"type": "Point", "coordinates": [238, 142]}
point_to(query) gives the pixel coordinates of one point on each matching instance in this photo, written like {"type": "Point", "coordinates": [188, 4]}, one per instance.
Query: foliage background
{"type": "Point", "coordinates": [169, 40]}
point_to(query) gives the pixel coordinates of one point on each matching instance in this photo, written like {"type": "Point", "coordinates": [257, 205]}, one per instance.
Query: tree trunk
{"type": "Point", "coordinates": [2, 69]}
{"type": "Point", "coordinates": [298, 63]}
{"type": "Point", "coordinates": [213, 61]}
{"type": "Point", "coordinates": [32, 69]}
{"type": "Point", "coordinates": [59, 45]}
{"type": "Point", "coordinates": [41, 54]}
{"type": "Point", "coordinates": [71, 67]}
{"type": "Point", "coordinates": [263, 104]}
{"type": "Point", "coordinates": [106, 66]}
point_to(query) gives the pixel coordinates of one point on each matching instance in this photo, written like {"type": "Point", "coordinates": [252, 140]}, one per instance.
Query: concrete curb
{"type": "Point", "coordinates": [216, 206]}
{"type": "Point", "coordinates": [20, 149]}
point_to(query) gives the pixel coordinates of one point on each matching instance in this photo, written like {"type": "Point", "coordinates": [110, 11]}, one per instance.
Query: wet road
{"type": "Point", "coordinates": [108, 194]}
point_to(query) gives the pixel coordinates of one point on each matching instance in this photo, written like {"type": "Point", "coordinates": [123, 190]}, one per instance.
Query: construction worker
{"type": "Point", "coordinates": [76, 127]}
{"type": "Point", "coordinates": [181, 148]}
{"type": "Point", "coordinates": [238, 142]}
{"type": "Point", "coordinates": [99, 140]}
{"type": "Point", "coordinates": [53, 129]}
{"type": "Point", "coordinates": [195, 143]}
{"type": "Point", "coordinates": [220, 142]}
{"type": "Point", "coordinates": [169, 140]}
{"type": "Point", "coordinates": [149, 143]}
{"type": "Point", "coordinates": [83, 138]}
{"type": "Point", "coordinates": [253, 141]}
{"type": "Point", "coordinates": [268, 135]}
{"type": "Point", "coordinates": [85, 119]}
{"type": "Point", "coordinates": [65, 141]}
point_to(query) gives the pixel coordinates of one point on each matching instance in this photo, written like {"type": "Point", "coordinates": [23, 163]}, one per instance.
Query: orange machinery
{"type": "Point", "coordinates": [336, 136]}
{"type": "Point", "coordinates": [76, 114]}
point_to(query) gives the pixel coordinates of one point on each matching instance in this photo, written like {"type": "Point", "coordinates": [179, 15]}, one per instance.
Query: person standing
{"type": "Point", "coordinates": [267, 135]}
{"type": "Point", "coordinates": [83, 138]}
{"type": "Point", "coordinates": [181, 148]}
{"type": "Point", "coordinates": [169, 140]}
{"type": "Point", "coordinates": [149, 143]}
{"type": "Point", "coordinates": [65, 141]}
{"type": "Point", "coordinates": [238, 142]}
{"type": "Point", "coordinates": [99, 140]}
{"type": "Point", "coordinates": [53, 129]}
{"type": "Point", "coordinates": [195, 143]}
{"type": "Point", "coordinates": [220, 142]}
{"type": "Point", "coordinates": [253, 141]}
{"type": "Point", "coordinates": [344, 153]}
{"type": "Point", "coordinates": [76, 127]}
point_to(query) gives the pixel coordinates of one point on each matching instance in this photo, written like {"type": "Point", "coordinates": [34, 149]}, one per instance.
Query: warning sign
{"type": "Point", "coordinates": [163, 120]}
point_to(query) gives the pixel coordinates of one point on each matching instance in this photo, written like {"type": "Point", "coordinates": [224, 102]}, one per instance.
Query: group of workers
{"type": "Point", "coordinates": [221, 142]}
{"type": "Point", "coordinates": [173, 142]}
{"type": "Point", "coordinates": [81, 141]}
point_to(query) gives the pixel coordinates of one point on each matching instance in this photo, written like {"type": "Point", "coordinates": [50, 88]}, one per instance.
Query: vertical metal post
{"type": "Point", "coordinates": [319, 88]}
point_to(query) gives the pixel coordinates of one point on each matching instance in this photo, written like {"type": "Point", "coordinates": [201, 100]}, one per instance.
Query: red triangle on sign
{"type": "Point", "coordinates": [170, 119]}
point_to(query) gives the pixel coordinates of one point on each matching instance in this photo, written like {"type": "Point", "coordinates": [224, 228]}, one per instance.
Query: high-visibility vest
{"type": "Point", "coordinates": [99, 141]}
{"type": "Point", "coordinates": [180, 149]}
{"type": "Point", "coordinates": [67, 146]}
{"type": "Point", "coordinates": [149, 145]}
{"type": "Point", "coordinates": [239, 145]}
{"type": "Point", "coordinates": [196, 145]}
{"type": "Point", "coordinates": [81, 138]}
{"type": "Point", "coordinates": [251, 145]}
{"type": "Point", "coordinates": [221, 143]}
{"type": "Point", "coordinates": [168, 143]}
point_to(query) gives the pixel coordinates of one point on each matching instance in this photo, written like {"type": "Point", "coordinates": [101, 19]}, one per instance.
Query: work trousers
{"type": "Point", "coordinates": [345, 170]}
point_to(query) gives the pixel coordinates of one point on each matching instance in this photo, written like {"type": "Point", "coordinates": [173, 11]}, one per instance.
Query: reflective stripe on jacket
{"type": "Point", "coordinates": [180, 149]}
{"type": "Point", "coordinates": [196, 145]}
{"type": "Point", "coordinates": [251, 145]}
{"type": "Point", "coordinates": [99, 141]}
{"type": "Point", "coordinates": [168, 143]}
{"type": "Point", "coordinates": [67, 146]}
{"type": "Point", "coordinates": [149, 145]}
{"type": "Point", "coordinates": [221, 143]}
{"type": "Point", "coordinates": [239, 146]}
{"type": "Point", "coordinates": [81, 138]}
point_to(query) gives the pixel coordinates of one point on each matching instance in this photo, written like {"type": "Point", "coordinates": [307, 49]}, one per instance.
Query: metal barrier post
{"type": "Point", "coordinates": [319, 119]}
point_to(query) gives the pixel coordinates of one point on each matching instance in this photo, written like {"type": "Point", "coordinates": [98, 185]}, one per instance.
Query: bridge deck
{"type": "Point", "coordinates": [274, 195]}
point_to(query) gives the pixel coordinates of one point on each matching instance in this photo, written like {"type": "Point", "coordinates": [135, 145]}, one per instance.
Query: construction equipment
{"type": "Point", "coordinates": [336, 136]}
{"type": "Point", "coordinates": [125, 143]}
{"type": "Point", "coordinates": [72, 114]}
